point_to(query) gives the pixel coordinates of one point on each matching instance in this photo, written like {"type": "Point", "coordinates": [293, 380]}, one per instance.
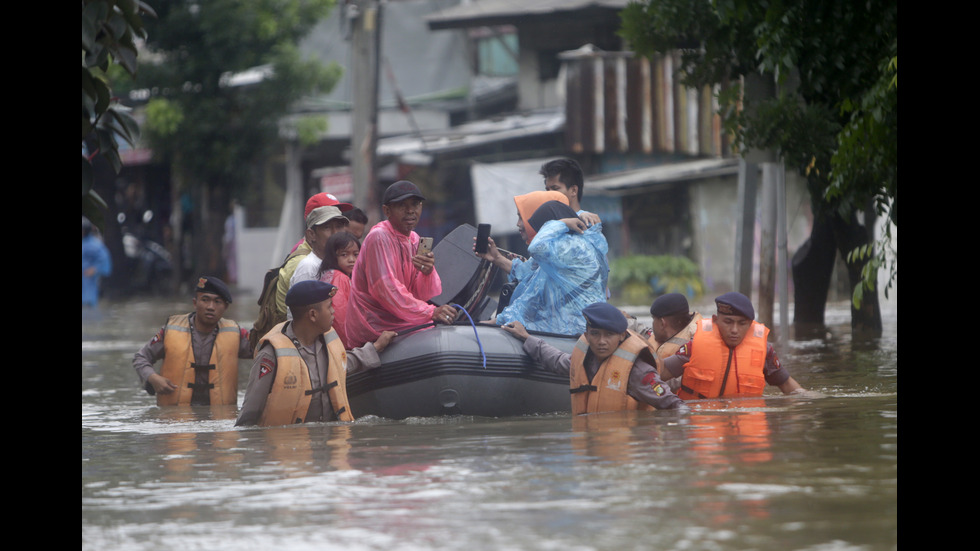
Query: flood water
{"type": "Point", "coordinates": [777, 473]}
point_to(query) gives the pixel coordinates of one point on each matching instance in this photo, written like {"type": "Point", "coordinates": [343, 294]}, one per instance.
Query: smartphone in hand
{"type": "Point", "coordinates": [482, 236]}
{"type": "Point", "coordinates": [425, 245]}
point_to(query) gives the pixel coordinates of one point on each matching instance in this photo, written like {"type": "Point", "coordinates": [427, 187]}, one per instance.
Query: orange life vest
{"type": "Point", "coordinates": [670, 347]}
{"type": "Point", "coordinates": [179, 365]}
{"type": "Point", "coordinates": [292, 390]}
{"type": "Point", "coordinates": [715, 370]}
{"type": "Point", "coordinates": [607, 389]}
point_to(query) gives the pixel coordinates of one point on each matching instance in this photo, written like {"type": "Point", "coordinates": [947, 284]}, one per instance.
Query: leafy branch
{"type": "Point", "coordinates": [110, 29]}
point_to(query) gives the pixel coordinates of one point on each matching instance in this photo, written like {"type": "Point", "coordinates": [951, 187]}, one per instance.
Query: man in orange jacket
{"type": "Point", "coordinates": [729, 355]}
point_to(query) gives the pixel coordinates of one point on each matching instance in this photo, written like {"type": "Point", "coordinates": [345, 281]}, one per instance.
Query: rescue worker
{"type": "Point", "coordinates": [609, 370]}
{"type": "Point", "coordinates": [729, 355]}
{"type": "Point", "coordinates": [299, 374]}
{"type": "Point", "coordinates": [200, 352]}
{"type": "Point", "coordinates": [673, 324]}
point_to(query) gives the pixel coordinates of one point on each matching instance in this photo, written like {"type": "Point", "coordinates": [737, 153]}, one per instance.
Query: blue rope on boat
{"type": "Point", "coordinates": [474, 332]}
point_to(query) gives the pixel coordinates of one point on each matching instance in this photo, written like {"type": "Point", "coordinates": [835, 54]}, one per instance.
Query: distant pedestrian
{"type": "Point", "coordinates": [96, 264]}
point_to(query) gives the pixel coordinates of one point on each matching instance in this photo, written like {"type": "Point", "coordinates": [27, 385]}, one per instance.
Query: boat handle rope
{"type": "Point", "coordinates": [480, 344]}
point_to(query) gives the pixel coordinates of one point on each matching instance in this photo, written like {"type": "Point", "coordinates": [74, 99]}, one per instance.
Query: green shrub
{"type": "Point", "coordinates": [637, 279]}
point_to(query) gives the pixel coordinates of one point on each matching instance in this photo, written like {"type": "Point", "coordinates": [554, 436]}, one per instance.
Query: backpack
{"type": "Point", "coordinates": [269, 315]}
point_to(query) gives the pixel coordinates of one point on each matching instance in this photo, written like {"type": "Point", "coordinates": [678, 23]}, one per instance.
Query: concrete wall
{"type": "Point", "coordinates": [714, 211]}
{"type": "Point", "coordinates": [254, 248]}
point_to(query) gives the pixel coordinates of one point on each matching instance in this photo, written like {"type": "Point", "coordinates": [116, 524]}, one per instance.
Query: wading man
{"type": "Point", "coordinates": [200, 352]}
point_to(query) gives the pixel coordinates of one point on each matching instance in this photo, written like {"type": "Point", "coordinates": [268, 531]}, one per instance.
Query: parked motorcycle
{"type": "Point", "coordinates": [149, 262]}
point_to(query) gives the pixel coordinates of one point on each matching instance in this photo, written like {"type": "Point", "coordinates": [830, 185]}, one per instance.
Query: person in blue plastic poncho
{"type": "Point", "coordinates": [96, 264]}
{"type": "Point", "coordinates": [567, 270]}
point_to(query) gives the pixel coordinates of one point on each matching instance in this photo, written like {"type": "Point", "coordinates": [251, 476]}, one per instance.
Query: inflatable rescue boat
{"type": "Point", "coordinates": [466, 368]}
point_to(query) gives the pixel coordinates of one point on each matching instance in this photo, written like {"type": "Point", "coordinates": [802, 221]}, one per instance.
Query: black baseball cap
{"type": "Point", "coordinates": [402, 189]}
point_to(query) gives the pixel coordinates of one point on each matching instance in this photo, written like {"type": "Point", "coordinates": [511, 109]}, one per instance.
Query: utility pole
{"type": "Point", "coordinates": [782, 250]}
{"type": "Point", "coordinates": [364, 18]}
{"type": "Point", "coordinates": [748, 177]}
{"type": "Point", "coordinates": [773, 256]}
{"type": "Point", "coordinates": [767, 246]}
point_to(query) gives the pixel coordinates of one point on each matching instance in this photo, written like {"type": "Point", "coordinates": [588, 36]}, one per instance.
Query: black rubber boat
{"type": "Point", "coordinates": [466, 368]}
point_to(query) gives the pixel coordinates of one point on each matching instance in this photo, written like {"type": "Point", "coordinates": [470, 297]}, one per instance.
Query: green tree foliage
{"type": "Point", "coordinates": [110, 29]}
{"type": "Point", "coordinates": [223, 75]}
{"type": "Point", "coordinates": [211, 123]}
{"type": "Point", "coordinates": [834, 116]}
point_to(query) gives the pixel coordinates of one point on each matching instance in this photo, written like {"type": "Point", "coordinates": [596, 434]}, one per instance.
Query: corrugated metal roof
{"type": "Point", "coordinates": [618, 102]}
{"type": "Point", "coordinates": [474, 133]}
{"type": "Point", "coordinates": [632, 181]}
{"type": "Point", "coordinates": [497, 12]}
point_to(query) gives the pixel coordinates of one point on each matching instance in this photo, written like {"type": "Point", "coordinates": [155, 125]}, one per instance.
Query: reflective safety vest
{"type": "Point", "coordinates": [292, 390]}
{"type": "Point", "coordinates": [716, 370]}
{"type": "Point", "coordinates": [607, 389]}
{"type": "Point", "coordinates": [179, 364]}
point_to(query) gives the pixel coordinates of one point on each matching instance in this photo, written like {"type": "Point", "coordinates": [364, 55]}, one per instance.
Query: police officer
{"type": "Point", "coordinates": [200, 352]}
{"type": "Point", "coordinates": [299, 374]}
{"type": "Point", "coordinates": [609, 370]}
{"type": "Point", "coordinates": [729, 355]}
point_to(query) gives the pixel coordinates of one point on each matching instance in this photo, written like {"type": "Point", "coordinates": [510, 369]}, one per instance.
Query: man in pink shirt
{"type": "Point", "coordinates": [392, 282]}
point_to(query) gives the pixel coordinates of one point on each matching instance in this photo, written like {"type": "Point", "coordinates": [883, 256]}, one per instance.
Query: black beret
{"type": "Point", "coordinates": [671, 303]}
{"type": "Point", "coordinates": [211, 284]}
{"type": "Point", "coordinates": [603, 315]}
{"type": "Point", "coordinates": [310, 291]}
{"type": "Point", "coordinates": [734, 303]}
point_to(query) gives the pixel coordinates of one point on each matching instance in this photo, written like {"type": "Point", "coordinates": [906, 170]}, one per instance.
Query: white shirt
{"type": "Point", "coordinates": [306, 269]}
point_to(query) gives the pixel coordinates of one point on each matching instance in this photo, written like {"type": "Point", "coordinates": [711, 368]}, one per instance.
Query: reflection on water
{"type": "Point", "coordinates": [770, 473]}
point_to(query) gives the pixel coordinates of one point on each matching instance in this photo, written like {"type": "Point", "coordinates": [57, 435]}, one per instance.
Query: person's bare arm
{"type": "Point", "coordinates": [161, 384]}
{"type": "Point", "coordinates": [516, 329]}
{"type": "Point", "coordinates": [384, 340]}
{"type": "Point", "coordinates": [794, 388]}
{"type": "Point", "coordinates": [494, 255]}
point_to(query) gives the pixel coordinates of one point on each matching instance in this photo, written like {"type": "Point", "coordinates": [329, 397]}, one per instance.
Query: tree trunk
{"type": "Point", "coordinates": [850, 234]}
{"type": "Point", "coordinates": [209, 216]}
{"type": "Point", "coordinates": [813, 266]}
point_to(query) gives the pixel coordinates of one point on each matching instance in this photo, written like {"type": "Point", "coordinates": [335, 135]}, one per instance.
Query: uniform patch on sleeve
{"type": "Point", "coordinates": [266, 366]}
{"type": "Point", "coordinates": [158, 337]}
{"type": "Point", "coordinates": [771, 355]}
{"type": "Point", "coordinates": [653, 381]}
